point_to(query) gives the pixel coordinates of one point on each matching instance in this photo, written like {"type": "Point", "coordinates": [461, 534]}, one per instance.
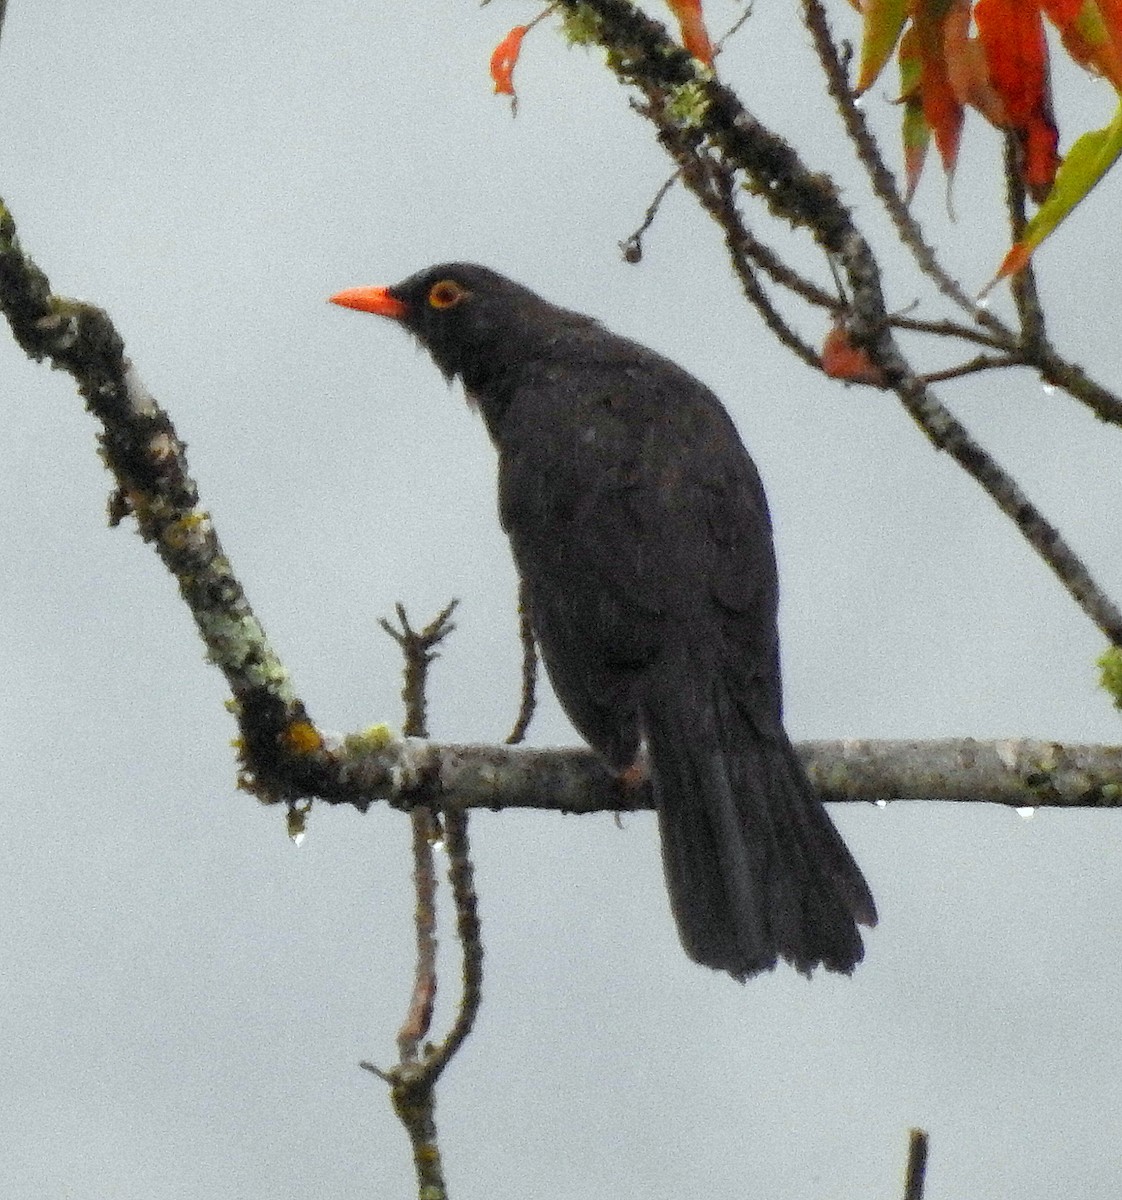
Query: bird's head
{"type": "Point", "coordinates": [474, 322]}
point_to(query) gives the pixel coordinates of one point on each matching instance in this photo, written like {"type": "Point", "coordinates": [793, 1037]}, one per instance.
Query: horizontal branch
{"type": "Point", "coordinates": [1019, 772]}
{"type": "Point", "coordinates": [286, 758]}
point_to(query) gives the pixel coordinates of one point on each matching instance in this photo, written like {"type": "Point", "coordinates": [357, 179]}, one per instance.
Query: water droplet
{"type": "Point", "coordinates": [881, 803]}
{"type": "Point", "coordinates": [1026, 814]}
{"type": "Point", "coordinates": [438, 845]}
{"type": "Point", "coordinates": [859, 103]}
{"type": "Point", "coordinates": [983, 302]}
{"type": "Point", "coordinates": [298, 838]}
{"type": "Point", "coordinates": [1049, 389]}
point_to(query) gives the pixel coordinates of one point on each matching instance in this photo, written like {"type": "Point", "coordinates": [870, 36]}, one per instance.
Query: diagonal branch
{"type": "Point", "coordinates": [882, 180]}
{"type": "Point", "coordinates": [148, 461]}
{"type": "Point", "coordinates": [681, 94]}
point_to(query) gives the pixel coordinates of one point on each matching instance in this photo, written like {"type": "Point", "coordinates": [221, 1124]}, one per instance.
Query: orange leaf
{"type": "Point", "coordinates": [941, 108]}
{"type": "Point", "coordinates": [1092, 34]}
{"type": "Point", "coordinates": [505, 57]}
{"type": "Point", "coordinates": [967, 72]}
{"type": "Point", "coordinates": [841, 359]}
{"type": "Point", "coordinates": [1016, 259]}
{"type": "Point", "coordinates": [695, 37]}
{"type": "Point", "coordinates": [1012, 36]}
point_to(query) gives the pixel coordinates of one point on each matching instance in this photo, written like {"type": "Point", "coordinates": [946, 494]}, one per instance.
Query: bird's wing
{"type": "Point", "coordinates": [639, 521]}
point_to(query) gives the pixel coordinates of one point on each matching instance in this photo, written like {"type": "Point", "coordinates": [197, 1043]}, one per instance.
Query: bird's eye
{"type": "Point", "coordinates": [447, 294]}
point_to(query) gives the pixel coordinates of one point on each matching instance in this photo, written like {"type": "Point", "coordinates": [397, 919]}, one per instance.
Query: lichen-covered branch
{"type": "Point", "coordinates": [1018, 772]}
{"type": "Point", "coordinates": [147, 459]}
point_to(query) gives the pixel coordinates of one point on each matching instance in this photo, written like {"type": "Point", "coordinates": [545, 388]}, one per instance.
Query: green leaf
{"type": "Point", "coordinates": [1085, 164]}
{"type": "Point", "coordinates": [883, 21]}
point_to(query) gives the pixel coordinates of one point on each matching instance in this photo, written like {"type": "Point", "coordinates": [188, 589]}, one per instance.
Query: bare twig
{"type": "Point", "coordinates": [1026, 298]}
{"type": "Point", "coordinates": [632, 246]}
{"type": "Point", "coordinates": [882, 180]}
{"type": "Point", "coordinates": [418, 1017]}
{"type": "Point", "coordinates": [461, 876]}
{"type": "Point", "coordinates": [412, 1081]}
{"type": "Point", "coordinates": [946, 328]}
{"type": "Point", "coordinates": [915, 1173]}
{"type": "Point", "coordinates": [419, 650]}
{"type": "Point", "coordinates": [719, 203]}
{"type": "Point", "coordinates": [980, 362]}
{"type": "Point", "coordinates": [528, 700]}
{"type": "Point", "coordinates": [713, 184]}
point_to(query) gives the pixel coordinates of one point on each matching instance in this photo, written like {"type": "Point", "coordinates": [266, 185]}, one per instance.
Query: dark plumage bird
{"type": "Point", "coordinates": [639, 525]}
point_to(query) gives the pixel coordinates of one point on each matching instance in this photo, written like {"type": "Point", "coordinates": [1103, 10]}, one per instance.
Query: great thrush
{"type": "Point", "coordinates": [639, 526]}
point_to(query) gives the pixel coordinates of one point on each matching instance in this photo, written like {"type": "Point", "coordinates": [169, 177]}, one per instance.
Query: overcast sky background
{"type": "Point", "coordinates": [185, 995]}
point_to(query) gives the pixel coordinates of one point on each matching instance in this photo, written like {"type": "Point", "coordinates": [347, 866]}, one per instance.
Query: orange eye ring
{"type": "Point", "coordinates": [447, 294]}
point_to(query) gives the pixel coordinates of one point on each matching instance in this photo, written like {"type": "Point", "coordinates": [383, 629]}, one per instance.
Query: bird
{"type": "Point", "coordinates": [641, 533]}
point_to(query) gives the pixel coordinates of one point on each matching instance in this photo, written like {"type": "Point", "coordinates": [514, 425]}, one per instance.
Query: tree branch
{"type": "Point", "coordinates": [412, 1081]}
{"type": "Point", "coordinates": [419, 650]}
{"type": "Point", "coordinates": [694, 111]}
{"type": "Point", "coordinates": [1017, 772]}
{"type": "Point", "coordinates": [915, 1173]}
{"type": "Point", "coordinates": [881, 179]}
{"type": "Point", "coordinates": [279, 744]}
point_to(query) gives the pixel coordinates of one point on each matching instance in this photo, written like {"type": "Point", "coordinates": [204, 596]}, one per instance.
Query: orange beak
{"type": "Point", "coordinates": [377, 300]}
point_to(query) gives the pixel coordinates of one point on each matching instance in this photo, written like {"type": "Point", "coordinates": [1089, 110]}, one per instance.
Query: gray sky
{"type": "Point", "coordinates": [185, 995]}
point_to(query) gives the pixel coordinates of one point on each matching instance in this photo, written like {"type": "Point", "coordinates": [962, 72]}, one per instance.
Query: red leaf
{"type": "Point", "coordinates": [841, 359]}
{"type": "Point", "coordinates": [695, 37]}
{"type": "Point", "coordinates": [1092, 33]}
{"type": "Point", "coordinates": [967, 71]}
{"type": "Point", "coordinates": [505, 57]}
{"type": "Point", "coordinates": [1012, 36]}
{"type": "Point", "coordinates": [941, 108]}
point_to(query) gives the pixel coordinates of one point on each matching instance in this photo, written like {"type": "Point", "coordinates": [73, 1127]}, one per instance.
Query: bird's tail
{"type": "Point", "coordinates": [754, 866]}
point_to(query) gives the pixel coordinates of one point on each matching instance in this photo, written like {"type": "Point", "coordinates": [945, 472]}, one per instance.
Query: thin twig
{"type": "Point", "coordinates": [915, 1173]}
{"type": "Point", "coordinates": [981, 362]}
{"type": "Point", "coordinates": [461, 876]}
{"type": "Point", "coordinates": [882, 180]}
{"type": "Point", "coordinates": [632, 246]}
{"type": "Point", "coordinates": [713, 185]}
{"type": "Point", "coordinates": [418, 1018]}
{"type": "Point", "coordinates": [734, 28]}
{"type": "Point", "coordinates": [1026, 297]}
{"type": "Point", "coordinates": [528, 701]}
{"type": "Point", "coordinates": [947, 328]}
{"type": "Point", "coordinates": [413, 1079]}
{"type": "Point", "coordinates": [419, 650]}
